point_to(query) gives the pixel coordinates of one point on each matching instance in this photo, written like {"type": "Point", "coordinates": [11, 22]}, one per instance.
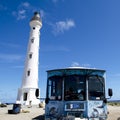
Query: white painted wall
{"type": "Point", "coordinates": [30, 82]}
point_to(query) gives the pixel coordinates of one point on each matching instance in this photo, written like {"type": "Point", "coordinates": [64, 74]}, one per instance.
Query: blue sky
{"type": "Point", "coordinates": [74, 33]}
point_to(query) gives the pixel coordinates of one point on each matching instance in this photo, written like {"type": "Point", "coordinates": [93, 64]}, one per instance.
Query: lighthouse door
{"type": "Point", "coordinates": [25, 96]}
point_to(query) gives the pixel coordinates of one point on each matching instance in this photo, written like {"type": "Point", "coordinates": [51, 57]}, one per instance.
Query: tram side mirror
{"type": "Point", "coordinates": [37, 93]}
{"type": "Point", "coordinates": [46, 100]}
{"type": "Point", "coordinates": [110, 92]}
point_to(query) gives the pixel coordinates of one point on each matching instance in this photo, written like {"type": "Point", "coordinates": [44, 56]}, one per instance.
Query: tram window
{"type": "Point", "coordinates": [74, 87]}
{"type": "Point", "coordinates": [96, 88]}
{"type": "Point", "coordinates": [55, 88]}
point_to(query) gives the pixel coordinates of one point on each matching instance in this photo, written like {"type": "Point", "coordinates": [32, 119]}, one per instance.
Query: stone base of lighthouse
{"type": "Point", "coordinates": [27, 96]}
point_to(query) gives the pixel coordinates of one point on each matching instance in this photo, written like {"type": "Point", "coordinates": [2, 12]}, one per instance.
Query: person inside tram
{"type": "Point", "coordinates": [74, 95]}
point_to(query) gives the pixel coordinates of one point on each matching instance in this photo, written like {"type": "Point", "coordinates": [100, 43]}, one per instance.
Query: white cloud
{"type": "Point", "coordinates": [86, 65]}
{"type": "Point", "coordinates": [26, 4]}
{"type": "Point", "coordinates": [62, 26]}
{"type": "Point", "coordinates": [20, 15]}
{"type": "Point", "coordinates": [75, 64]}
{"type": "Point", "coordinates": [10, 57]}
{"type": "Point", "coordinates": [22, 10]}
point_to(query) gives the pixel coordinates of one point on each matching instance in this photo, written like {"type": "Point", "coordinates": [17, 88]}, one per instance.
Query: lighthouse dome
{"type": "Point", "coordinates": [36, 17]}
{"type": "Point", "coordinates": [36, 20]}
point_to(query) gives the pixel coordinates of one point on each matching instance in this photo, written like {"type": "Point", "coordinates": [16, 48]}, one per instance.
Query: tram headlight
{"type": "Point", "coordinates": [95, 113]}
{"type": "Point", "coordinates": [53, 111]}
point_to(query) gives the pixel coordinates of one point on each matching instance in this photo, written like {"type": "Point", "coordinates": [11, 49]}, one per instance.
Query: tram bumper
{"type": "Point", "coordinates": [65, 118]}
{"type": "Point", "coordinates": [73, 118]}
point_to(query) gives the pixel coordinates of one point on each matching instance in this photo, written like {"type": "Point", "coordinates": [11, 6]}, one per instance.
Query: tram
{"type": "Point", "coordinates": [76, 93]}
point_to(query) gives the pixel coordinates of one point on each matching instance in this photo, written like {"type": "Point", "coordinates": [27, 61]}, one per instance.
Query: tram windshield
{"type": "Point", "coordinates": [71, 87]}
{"type": "Point", "coordinates": [75, 88]}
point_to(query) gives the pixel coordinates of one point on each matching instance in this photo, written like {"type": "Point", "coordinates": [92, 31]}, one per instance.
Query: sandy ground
{"type": "Point", "coordinates": [33, 113]}
{"type": "Point", "coordinates": [114, 113]}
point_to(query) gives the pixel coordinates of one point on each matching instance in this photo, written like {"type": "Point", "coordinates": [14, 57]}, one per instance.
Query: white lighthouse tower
{"type": "Point", "coordinates": [27, 92]}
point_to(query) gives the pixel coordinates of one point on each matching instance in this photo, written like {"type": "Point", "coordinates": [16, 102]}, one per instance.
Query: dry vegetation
{"type": "Point", "coordinates": [3, 105]}
{"type": "Point", "coordinates": [114, 103]}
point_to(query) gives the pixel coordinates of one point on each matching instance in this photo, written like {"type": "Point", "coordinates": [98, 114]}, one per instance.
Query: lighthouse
{"type": "Point", "coordinates": [27, 91]}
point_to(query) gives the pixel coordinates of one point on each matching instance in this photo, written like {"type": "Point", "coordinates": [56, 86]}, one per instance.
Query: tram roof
{"type": "Point", "coordinates": [76, 68]}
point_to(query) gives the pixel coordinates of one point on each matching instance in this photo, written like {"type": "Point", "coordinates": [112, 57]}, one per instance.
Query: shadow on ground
{"type": "Point", "coordinates": [40, 117]}
{"type": "Point", "coordinates": [118, 118]}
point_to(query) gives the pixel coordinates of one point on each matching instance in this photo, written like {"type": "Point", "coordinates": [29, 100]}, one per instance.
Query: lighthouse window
{"type": "Point", "coordinates": [33, 28]}
{"type": "Point", "coordinates": [28, 72]}
{"type": "Point", "coordinates": [32, 40]}
{"type": "Point", "coordinates": [25, 96]}
{"type": "Point", "coordinates": [30, 55]}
